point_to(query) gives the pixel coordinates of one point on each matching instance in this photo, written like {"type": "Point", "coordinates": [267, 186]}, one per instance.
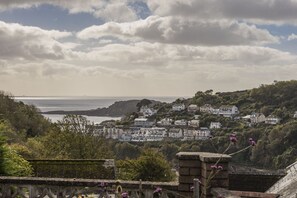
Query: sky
{"type": "Point", "coordinates": [145, 47]}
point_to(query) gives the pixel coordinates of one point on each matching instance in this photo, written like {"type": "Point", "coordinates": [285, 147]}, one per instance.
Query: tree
{"type": "Point", "coordinates": [75, 138]}
{"type": "Point", "coordinates": [150, 166]}
{"type": "Point", "coordinates": [143, 102]}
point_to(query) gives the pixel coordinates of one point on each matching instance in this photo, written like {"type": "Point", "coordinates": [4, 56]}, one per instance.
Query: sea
{"type": "Point", "coordinates": [45, 104]}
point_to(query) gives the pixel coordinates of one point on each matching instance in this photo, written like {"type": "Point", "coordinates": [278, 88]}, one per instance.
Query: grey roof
{"type": "Point", "coordinates": [287, 186]}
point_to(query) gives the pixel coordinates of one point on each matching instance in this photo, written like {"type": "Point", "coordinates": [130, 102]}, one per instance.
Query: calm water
{"type": "Point", "coordinates": [79, 103]}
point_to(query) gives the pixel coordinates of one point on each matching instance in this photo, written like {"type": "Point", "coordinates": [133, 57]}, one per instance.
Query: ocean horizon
{"type": "Point", "coordinates": [73, 103]}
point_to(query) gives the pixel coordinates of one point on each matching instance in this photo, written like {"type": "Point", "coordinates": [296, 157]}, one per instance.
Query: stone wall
{"type": "Point", "coordinates": [88, 169]}
{"type": "Point", "coordinates": [249, 182]}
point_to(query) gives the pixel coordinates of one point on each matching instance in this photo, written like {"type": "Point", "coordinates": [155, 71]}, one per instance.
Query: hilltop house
{"type": "Point", "coordinates": [256, 118]}
{"type": "Point", "coordinates": [178, 107]}
{"type": "Point", "coordinates": [215, 125]}
{"type": "Point", "coordinates": [207, 108]}
{"type": "Point", "coordinates": [193, 108]}
{"type": "Point", "coordinates": [147, 111]}
{"type": "Point", "coordinates": [193, 123]}
{"type": "Point", "coordinates": [228, 110]}
{"type": "Point", "coordinates": [272, 120]}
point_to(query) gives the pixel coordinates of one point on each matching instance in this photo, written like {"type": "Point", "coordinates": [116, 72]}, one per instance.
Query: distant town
{"type": "Point", "coordinates": [145, 129]}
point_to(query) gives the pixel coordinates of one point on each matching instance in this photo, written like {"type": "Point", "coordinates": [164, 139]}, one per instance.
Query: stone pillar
{"type": "Point", "coordinates": [210, 168]}
{"type": "Point", "coordinates": [189, 169]}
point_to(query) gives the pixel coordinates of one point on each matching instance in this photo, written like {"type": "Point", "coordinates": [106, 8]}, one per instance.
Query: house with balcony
{"type": "Point", "coordinates": [165, 122]}
{"type": "Point", "coordinates": [189, 134]}
{"type": "Point", "coordinates": [256, 118]}
{"type": "Point", "coordinates": [215, 125]}
{"type": "Point", "coordinates": [153, 134]}
{"type": "Point", "coordinates": [228, 111]}
{"type": "Point", "coordinates": [176, 133]}
{"type": "Point", "coordinates": [178, 107]}
{"type": "Point", "coordinates": [207, 108]}
{"type": "Point", "coordinates": [202, 134]}
{"type": "Point", "coordinates": [193, 123]}
{"type": "Point", "coordinates": [273, 120]}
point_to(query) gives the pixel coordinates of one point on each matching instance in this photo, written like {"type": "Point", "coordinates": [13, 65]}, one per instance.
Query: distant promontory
{"type": "Point", "coordinates": [117, 109]}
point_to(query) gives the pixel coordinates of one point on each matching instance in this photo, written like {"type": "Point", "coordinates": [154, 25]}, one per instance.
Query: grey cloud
{"type": "Point", "coordinates": [30, 42]}
{"type": "Point", "coordinates": [180, 31]}
{"type": "Point", "coordinates": [278, 11]}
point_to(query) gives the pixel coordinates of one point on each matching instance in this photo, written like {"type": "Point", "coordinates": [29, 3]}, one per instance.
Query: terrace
{"type": "Point", "coordinates": [192, 166]}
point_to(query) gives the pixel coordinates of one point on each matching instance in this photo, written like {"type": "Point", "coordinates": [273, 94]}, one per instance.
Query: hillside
{"type": "Point", "coordinates": [267, 99]}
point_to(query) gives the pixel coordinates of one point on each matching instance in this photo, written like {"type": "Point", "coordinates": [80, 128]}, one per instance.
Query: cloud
{"type": "Point", "coordinates": [108, 10]}
{"type": "Point", "coordinates": [269, 11]}
{"type": "Point", "coordinates": [179, 58]}
{"type": "Point", "coordinates": [292, 37]}
{"type": "Point", "coordinates": [26, 42]}
{"type": "Point", "coordinates": [180, 31]}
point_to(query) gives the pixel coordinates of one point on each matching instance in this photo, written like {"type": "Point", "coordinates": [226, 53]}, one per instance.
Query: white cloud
{"type": "Point", "coordinates": [180, 31]}
{"type": "Point", "coordinates": [272, 11]}
{"type": "Point", "coordinates": [292, 37]}
{"type": "Point", "coordinates": [113, 10]}
{"type": "Point", "coordinates": [27, 42]}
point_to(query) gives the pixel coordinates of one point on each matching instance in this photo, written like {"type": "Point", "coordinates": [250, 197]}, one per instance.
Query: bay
{"type": "Point", "coordinates": [52, 103]}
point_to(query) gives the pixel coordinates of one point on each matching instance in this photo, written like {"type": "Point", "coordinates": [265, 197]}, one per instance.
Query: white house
{"type": "Point", "coordinates": [112, 132]}
{"type": "Point", "coordinates": [143, 122]}
{"type": "Point", "coordinates": [175, 133]}
{"type": "Point", "coordinates": [193, 123]}
{"type": "Point", "coordinates": [202, 134]}
{"type": "Point", "coordinates": [147, 111]}
{"type": "Point", "coordinates": [257, 118]}
{"type": "Point", "coordinates": [215, 125]}
{"type": "Point", "coordinates": [188, 135]}
{"type": "Point", "coordinates": [207, 108]}
{"type": "Point", "coordinates": [178, 107]}
{"type": "Point", "coordinates": [272, 120]}
{"type": "Point", "coordinates": [193, 108]}
{"type": "Point", "coordinates": [180, 123]}
{"type": "Point", "coordinates": [125, 137]}
{"type": "Point", "coordinates": [295, 114]}
{"type": "Point", "coordinates": [228, 110]}
{"type": "Point", "coordinates": [153, 134]}
{"type": "Point", "coordinates": [165, 122]}
{"type": "Point", "coordinates": [196, 117]}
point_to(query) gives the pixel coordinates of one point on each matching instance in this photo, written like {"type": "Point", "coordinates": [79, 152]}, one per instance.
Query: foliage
{"type": "Point", "coordinates": [75, 138]}
{"type": "Point", "coordinates": [23, 118]}
{"type": "Point", "coordinates": [126, 151]}
{"type": "Point", "coordinates": [150, 166]}
{"type": "Point", "coordinates": [11, 163]}
{"type": "Point", "coordinates": [14, 164]}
